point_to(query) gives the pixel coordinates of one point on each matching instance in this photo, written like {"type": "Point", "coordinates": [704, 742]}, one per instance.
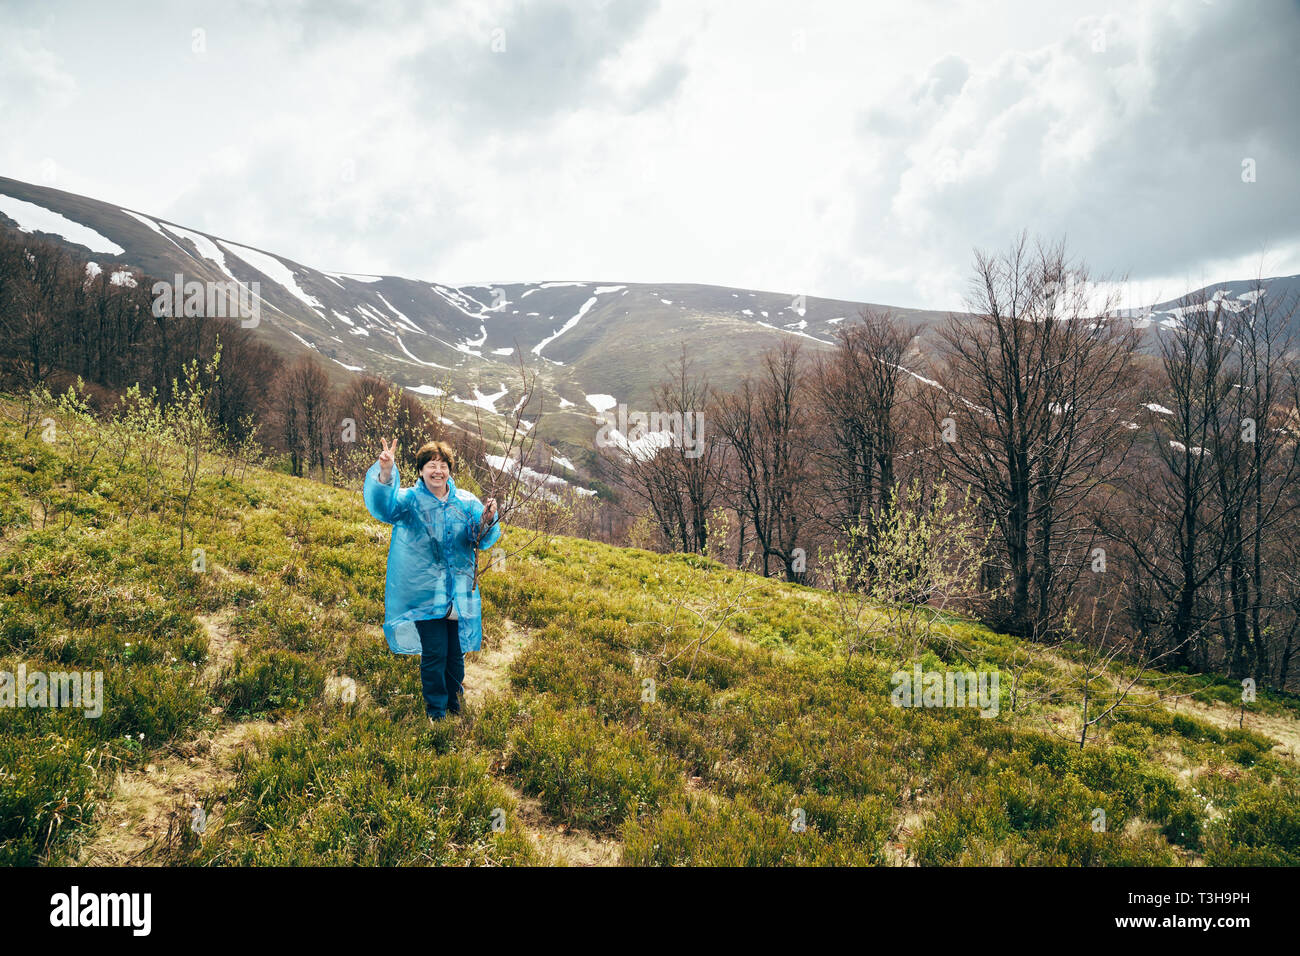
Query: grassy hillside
{"type": "Point", "coordinates": [253, 714]}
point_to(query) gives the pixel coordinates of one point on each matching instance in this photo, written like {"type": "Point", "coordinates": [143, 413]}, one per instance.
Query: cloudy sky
{"type": "Point", "coordinates": [853, 150]}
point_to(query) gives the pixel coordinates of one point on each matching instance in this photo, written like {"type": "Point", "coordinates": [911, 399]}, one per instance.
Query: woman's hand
{"type": "Point", "coordinates": [386, 458]}
{"type": "Point", "coordinates": [489, 512]}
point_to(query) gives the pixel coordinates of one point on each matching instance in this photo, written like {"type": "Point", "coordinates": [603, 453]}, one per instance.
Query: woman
{"type": "Point", "coordinates": [431, 606]}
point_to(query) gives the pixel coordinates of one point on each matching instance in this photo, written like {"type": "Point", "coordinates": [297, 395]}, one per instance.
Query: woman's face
{"type": "Point", "coordinates": [435, 474]}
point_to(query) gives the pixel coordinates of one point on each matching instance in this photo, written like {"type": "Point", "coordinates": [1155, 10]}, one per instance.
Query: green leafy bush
{"type": "Point", "coordinates": [1262, 829]}
{"type": "Point", "coordinates": [271, 682]}
{"type": "Point", "coordinates": [588, 774]}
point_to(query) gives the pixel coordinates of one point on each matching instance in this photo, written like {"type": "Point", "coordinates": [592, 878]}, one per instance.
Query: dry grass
{"type": "Point", "coordinates": [138, 818]}
{"type": "Point", "coordinates": [1284, 730]}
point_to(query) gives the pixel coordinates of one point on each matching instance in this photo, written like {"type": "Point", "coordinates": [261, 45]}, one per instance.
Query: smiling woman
{"type": "Point", "coordinates": [431, 602]}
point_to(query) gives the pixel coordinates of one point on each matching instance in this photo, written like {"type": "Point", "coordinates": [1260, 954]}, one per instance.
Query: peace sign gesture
{"type": "Point", "coordinates": [386, 458]}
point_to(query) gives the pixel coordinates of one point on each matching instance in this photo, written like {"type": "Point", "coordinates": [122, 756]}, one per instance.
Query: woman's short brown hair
{"type": "Point", "coordinates": [435, 449]}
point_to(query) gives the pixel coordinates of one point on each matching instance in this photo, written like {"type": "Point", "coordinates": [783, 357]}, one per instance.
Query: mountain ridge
{"type": "Point", "coordinates": [464, 343]}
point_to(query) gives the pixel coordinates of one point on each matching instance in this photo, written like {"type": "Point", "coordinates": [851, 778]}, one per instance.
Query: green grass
{"type": "Point", "coordinates": [769, 749]}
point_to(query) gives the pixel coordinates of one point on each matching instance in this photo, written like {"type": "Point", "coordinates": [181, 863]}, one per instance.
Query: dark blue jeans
{"type": "Point", "coordinates": [442, 666]}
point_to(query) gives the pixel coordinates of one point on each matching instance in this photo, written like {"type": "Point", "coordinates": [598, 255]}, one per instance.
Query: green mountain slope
{"type": "Point", "coordinates": [252, 713]}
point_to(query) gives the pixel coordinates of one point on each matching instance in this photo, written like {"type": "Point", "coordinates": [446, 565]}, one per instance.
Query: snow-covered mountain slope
{"type": "Point", "coordinates": [592, 342]}
{"type": "Point", "coordinates": [595, 336]}
{"type": "Point", "coordinates": [1280, 294]}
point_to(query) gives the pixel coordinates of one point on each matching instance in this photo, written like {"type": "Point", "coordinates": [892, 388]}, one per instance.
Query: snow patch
{"type": "Point", "coordinates": [537, 349]}
{"type": "Point", "coordinates": [300, 339]}
{"type": "Point", "coordinates": [775, 328]}
{"type": "Point", "coordinates": [146, 221]}
{"type": "Point", "coordinates": [458, 301]}
{"type": "Point", "coordinates": [400, 316]}
{"type": "Point", "coordinates": [472, 346]}
{"type": "Point", "coordinates": [374, 315]}
{"type": "Point", "coordinates": [402, 346]}
{"type": "Point", "coordinates": [33, 218]}
{"type": "Point", "coordinates": [206, 247]}
{"type": "Point", "coordinates": [486, 402]}
{"type": "Point", "coordinates": [535, 478]}
{"type": "Point", "coordinates": [356, 276]}
{"type": "Point", "coordinates": [120, 277]}
{"type": "Point", "coordinates": [273, 269]}
{"type": "Point", "coordinates": [643, 448]}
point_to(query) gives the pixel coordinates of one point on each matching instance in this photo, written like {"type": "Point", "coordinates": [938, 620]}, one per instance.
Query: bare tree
{"type": "Point", "coordinates": [30, 300]}
{"type": "Point", "coordinates": [304, 407]}
{"type": "Point", "coordinates": [860, 392]}
{"type": "Point", "coordinates": [1032, 412]}
{"type": "Point", "coordinates": [1209, 502]}
{"type": "Point", "coordinates": [766, 426]}
{"type": "Point", "coordinates": [678, 478]}
{"type": "Point", "coordinates": [507, 463]}
{"type": "Point", "coordinates": [1108, 672]}
{"type": "Point", "coordinates": [1260, 464]}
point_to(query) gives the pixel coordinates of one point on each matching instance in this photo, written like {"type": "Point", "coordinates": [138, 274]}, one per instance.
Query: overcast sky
{"type": "Point", "coordinates": [852, 150]}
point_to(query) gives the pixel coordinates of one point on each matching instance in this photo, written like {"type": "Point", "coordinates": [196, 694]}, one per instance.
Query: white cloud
{"type": "Point", "coordinates": [850, 151]}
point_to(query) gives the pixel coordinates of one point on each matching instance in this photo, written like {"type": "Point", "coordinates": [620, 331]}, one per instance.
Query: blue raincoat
{"type": "Point", "coordinates": [430, 558]}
